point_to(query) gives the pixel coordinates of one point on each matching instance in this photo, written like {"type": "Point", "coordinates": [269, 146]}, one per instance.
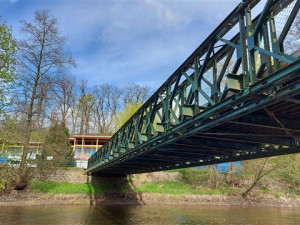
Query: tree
{"type": "Point", "coordinates": [43, 105]}
{"type": "Point", "coordinates": [57, 146]}
{"type": "Point", "coordinates": [291, 41]}
{"type": "Point", "coordinates": [85, 105]}
{"type": "Point", "coordinates": [260, 168]}
{"type": "Point", "coordinates": [11, 130]}
{"type": "Point", "coordinates": [134, 93]}
{"type": "Point", "coordinates": [42, 55]}
{"type": "Point", "coordinates": [64, 92]}
{"type": "Point", "coordinates": [105, 107]}
{"type": "Point", "coordinates": [74, 112]}
{"type": "Point", "coordinates": [7, 62]}
{"type": "Point", "coordinates": [122, 117]}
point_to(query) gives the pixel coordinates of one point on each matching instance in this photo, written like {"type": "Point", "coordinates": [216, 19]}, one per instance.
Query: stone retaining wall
{"type": "Point", "coordinates": [63, 175]}
{"type": "Point", "coordinates": [80, 176]}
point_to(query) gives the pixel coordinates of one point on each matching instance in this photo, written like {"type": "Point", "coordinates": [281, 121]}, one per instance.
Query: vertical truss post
{"type": "Point", "coordinates": [196, 84]}
{"type": "Point", "coordinates": [242, 50]}
{"type": "Point", "coordinates": [167, 108]}
{"type": "Point", "coordinates": [215, 89]}
{"type": "Point", "coordinates": [266, 58]}
{"type": "Point", "coordinates": [275, 46]}
{"type": "Point", "coordinates": [251, 44]}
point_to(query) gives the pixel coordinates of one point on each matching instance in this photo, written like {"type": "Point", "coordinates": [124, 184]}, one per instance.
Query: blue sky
{"type": "Point", "coordinates": [126, 41]}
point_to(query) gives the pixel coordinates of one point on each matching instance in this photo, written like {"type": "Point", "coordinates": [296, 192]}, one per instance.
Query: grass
{"type": "Point", "coordinates": [293, 196]}
{"type": "Point", "coordinates": [265, 190]}
{"type": "Point", "coordinates": [65, 188]}
{"type": "Point", "coordinates": [175, 187]}
{"type": "Point", "coordinates": [162, 187]}
{"type": "Point", "coordinates": [278, 195]}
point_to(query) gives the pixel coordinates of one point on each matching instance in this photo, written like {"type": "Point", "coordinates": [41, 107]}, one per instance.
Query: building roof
{"type": "Point", "coordinates": [83, 136]}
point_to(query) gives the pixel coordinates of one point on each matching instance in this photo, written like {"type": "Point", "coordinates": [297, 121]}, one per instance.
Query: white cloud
{"type": "Point", "coordinates": [132, 40]}
{"type": "Point", "coordinates": [166, 15]}
{"type": "Point", "coordinates": [13, 1]}
{"type": "Point", "coordinates": [137, 41]}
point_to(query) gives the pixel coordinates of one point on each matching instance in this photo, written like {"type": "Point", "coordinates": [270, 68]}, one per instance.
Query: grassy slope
{"type": "Point", "coordinates": [284, 181]}
{"type": "Point", "coordinates": [163, 187]}
{"type": "Point", "coordinates": [65, 188]}
{"type": "Point", "coordinates": [176, 187]}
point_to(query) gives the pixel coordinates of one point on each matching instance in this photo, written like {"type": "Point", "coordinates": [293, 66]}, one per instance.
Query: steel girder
{"type": "Point", "coordinates": [228, 80]}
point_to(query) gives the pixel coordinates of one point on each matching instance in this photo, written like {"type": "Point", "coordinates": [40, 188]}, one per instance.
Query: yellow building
{"type": "Point", "coordinates": [86, 145]}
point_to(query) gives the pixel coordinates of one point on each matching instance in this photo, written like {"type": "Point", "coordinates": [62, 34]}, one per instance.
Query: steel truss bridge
{"type": "Point", "coordinates": [237, 97]}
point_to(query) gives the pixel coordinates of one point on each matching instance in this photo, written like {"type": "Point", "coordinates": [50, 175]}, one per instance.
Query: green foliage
{"type": "Point", "coordinates": [7, 61]}
{"type": "Point", "coordinates": [278, 195]}
{"type": "Point", "coordinates": [282, 175]}
{"type": "Point", "coordinates": [195, 177]}
{"type": "Point", "coordinates": [6, 177]}
{"type": "Point", "coordinates": [65, 188]}
{"type": "Point", "coordinates": [122, 117]}
{"type": "Point", "coordinates": [38, 135]}
{"type": "Point", "coordinates": [279, 174]}
{"type": "Point", "coordinates": [175, 187]}
{"type": "Point", "coordinates": [206, 177]}
{"type": "Point", "coordinates": [265, 190]}
{"type": "Point", "coordinates": [289, 173]}
{"type": "Point", "coordinates": [11, 131]}
{"type": "Point", "coordinates": [57, 145]}
{"type": "Point", "coordinates": [293, 195]}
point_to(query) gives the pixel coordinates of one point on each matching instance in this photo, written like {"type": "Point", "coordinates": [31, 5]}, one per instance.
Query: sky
{"type": "Point", "coordinates": [126, 41]}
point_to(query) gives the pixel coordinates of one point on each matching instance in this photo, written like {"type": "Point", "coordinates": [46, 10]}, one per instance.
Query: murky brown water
{"type": "Point", "coordinates": [153, 215]}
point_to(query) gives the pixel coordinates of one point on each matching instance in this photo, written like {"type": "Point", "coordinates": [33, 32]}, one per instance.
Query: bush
{"type": "Point", "coordinates": [6, 178]}
{"type": "Point", "coordinates": [195, 177]}
{"type": "Point", "coordinates": [208, 177]}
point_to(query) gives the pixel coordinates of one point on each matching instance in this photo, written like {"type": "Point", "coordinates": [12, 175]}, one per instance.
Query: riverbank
{"type": "Point", "coordinates": [19, 198]}
{"type": "Point", "coordinates": [180, 187]}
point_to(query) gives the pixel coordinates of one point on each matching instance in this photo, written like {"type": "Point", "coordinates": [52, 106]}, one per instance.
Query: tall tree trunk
{"type": "Point", "coordinates": [23, 165]}
{"type": "Point", "coordinates": [21, 176]}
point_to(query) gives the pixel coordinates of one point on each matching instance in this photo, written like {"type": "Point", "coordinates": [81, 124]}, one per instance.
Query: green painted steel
{"type": "Point", "coordinates": [226, 102]}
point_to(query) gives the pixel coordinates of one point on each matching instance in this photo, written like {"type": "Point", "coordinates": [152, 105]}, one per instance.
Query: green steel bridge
{"type": "Point", "coordinates": [236, 97]}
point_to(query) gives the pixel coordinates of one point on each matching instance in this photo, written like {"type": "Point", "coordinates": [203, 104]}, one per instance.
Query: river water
{"type": "Point", "coordinates": [152, 215]}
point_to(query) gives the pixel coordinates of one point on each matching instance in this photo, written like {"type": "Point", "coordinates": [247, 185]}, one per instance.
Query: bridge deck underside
{"type": "Point", "coordinates": [271, 130]}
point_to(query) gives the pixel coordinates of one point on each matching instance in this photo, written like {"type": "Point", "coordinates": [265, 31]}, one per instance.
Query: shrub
{"type": "Point", "coordinates": [6, 178]}
{"type": "Point", "coordinates": [195, 177]}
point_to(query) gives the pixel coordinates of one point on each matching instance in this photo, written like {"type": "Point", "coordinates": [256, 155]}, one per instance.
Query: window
{"type": "Point", "coordinates": [31, 153]}
{"type": "Point", "coordinates": [14, 152]}
{"type": "Point", "coordinates": [78, 153]}
{"type": "Point", "coordinates": [87, 150]}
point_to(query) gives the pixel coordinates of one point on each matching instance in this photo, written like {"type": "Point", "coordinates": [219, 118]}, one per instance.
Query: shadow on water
{"type": "Point", "coordinates": [150, 215]}
{"type": "Point", "coordinates": [110, 215]}
{"type": "Point", "coordinates": [117, 190]}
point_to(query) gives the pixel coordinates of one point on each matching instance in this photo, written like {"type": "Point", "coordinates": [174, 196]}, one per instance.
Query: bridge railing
{"type": "Point", "coordinates": [240, 52]}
